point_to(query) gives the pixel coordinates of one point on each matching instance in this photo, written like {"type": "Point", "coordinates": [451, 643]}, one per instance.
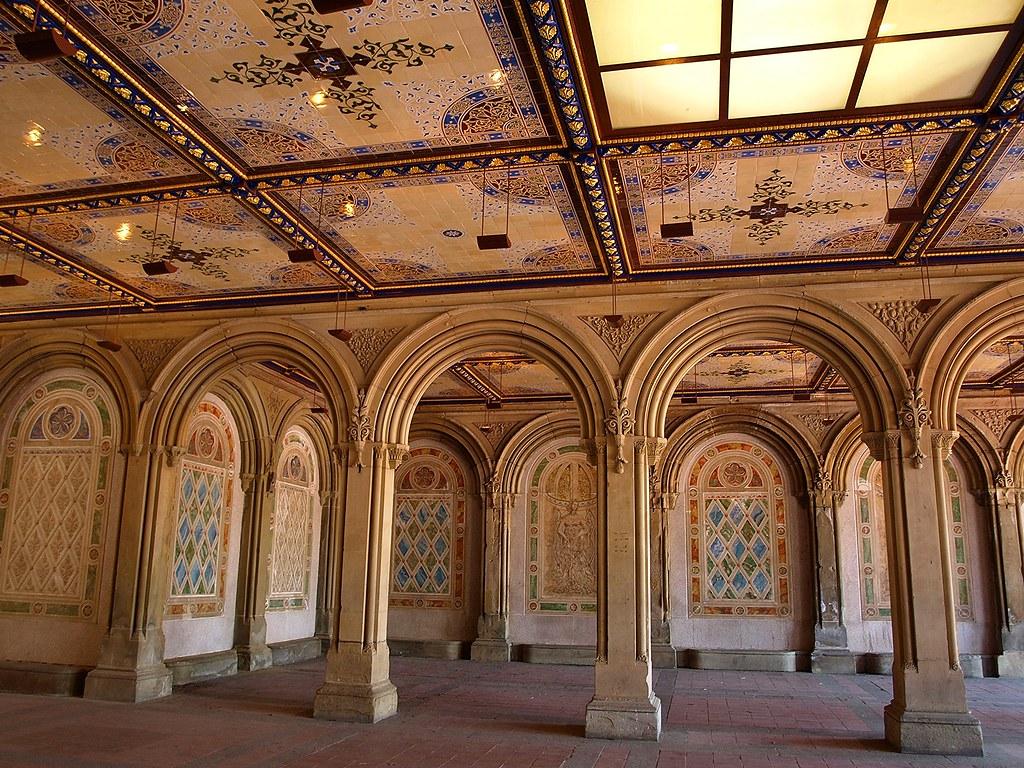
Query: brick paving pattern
{"type": "Point", "coordinates": [469, 715]}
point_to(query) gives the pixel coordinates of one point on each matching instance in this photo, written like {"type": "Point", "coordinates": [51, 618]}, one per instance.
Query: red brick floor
{"type": "Point", "coordinates": [468, 715]}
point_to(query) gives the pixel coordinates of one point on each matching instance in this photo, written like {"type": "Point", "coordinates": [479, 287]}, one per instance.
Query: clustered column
{"type": "Point", "coordinates": [831, 653]}
{"type": "Point", "coordinates": [492, 643]}
{"type": "Point", "coordinates": [1006, 501]}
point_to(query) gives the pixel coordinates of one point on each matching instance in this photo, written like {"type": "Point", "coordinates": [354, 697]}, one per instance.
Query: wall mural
{"type": "Point", "coordinates": [54, 497]}
{"type": "Point", "coordinates": [200, 560]}
{"type": "Point", "coordinates": [562, 539]}
{"type": "Point", "coordinates": [739, 550]}
{"type": "Point", "coordinates": [428, 565]}
{"type": "Point", "coordinates": [874, 559]}
{"type": "Point", "coordinates": [291, 551]}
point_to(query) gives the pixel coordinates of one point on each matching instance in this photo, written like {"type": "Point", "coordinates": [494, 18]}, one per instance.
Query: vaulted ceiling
{"type": "Point", "coordinates": [220, 134]}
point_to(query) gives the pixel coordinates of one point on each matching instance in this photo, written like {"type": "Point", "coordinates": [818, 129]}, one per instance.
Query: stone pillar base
{"type": "Point", "coordinates": [128, 685]}
{"type": "Point", "coordinates": [833, 662]}
{"type": "Point", "coordinates": [253, 657]}
{"type": "Point", "coordinates": [1010, 664]}
{"type": "Point", "coordinates": [638, 719]}
{"type": "Point", "coordinates": [490, 649]}
{"type": "Point", "coordinates": [356, 703]}
{"type": "Point", "coordinates": [663, 656]}
{"type": "Point", "coordinates": [933, 733]}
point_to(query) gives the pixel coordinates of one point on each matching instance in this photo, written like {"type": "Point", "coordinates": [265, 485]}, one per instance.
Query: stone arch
{"type": "Point", "coordinates": [195, 366]}
{"type": "Point", "coordinates": [950, 352]}
{"type": "Point", "coordinates": [788, 443]}
{"type": "Point", "coordinates": [35, 355]}
{"type": "Point", "coordinates": [518, 451]}
{"type": "Point", "coordinates": [406, 372]}
{"type": "Point", "coordinates": [870, 368]}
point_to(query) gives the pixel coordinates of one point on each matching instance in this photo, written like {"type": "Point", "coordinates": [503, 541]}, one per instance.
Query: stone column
{"type": "Point", "coordinates": [663, 654]}
{"type": "Point", "coordinates": [131, 660]}
{"type": "Point", "coordinates": [928, 712]}
{"type": "Point", "coordinates": [331, 508]}
{"type": "Point", "coordinates": [1006, 502]}
{"type": "Point", "coordinates": [358, 687]}
{"type": "Point", "coordinates": [492, 642]}
{"type": "Point", "coordinates": [254, 571]}
{"type": "Point", "coordinates": [624, 705]}
{"type": "Point", "coordinates": [831, 653]}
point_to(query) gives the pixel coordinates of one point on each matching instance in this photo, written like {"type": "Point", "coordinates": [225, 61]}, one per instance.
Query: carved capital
{"type": "Point", "coordinates": [882, 445]}
{"type": "Point", "coordinates": [650, 448]}
{"type": "Point", "coordinates": [392, 454]}
{"type": "Point", "coordinates": [173, 454]}
{"type": "Point", "coordinates": [942, 442]}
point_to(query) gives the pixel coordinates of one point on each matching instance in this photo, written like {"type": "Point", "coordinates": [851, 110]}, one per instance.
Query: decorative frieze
{"type": "Point", "coordinates": [901, 317]}
{"type": "Point", "coordinates": [367, 344]}
{"type": "Point", "coordinates": [152, 352]}
{"type": "Point", "coordinates": [996, 419]}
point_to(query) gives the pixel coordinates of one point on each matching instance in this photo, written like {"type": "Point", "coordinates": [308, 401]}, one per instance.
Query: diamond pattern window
{"type": "Point", "coordinates": [291, 550]}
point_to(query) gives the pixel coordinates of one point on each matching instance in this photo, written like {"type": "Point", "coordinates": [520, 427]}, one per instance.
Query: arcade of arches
{"type": "Point", "coordinates": [731, 380]}
{"type": "Point", "coordinates": [787, 481]}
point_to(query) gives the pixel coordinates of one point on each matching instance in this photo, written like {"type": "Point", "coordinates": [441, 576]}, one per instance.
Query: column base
{"type": "Point", "coordinates": [1010, 664]}
{"type": "Point", "coordinates": [833, 662]}
{"type": "Point", "coordinates": [491, 650]}
{"type": "Point", "coordinates": [253, 657]}
{"type": "Point", "coordinates": [356, 703]}
{"type": "Point", "coordinates": [663, 656]}
{"type": "Point", "coordinates": [933, 733]}
{"type": "Point", "coordinates": [638, 719]}
{"type": "Point", "coordinates": [128, 685]}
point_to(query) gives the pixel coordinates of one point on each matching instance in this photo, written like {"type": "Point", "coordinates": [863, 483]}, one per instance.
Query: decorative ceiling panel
{"type": "Point", "coordinates": [407, 231]}
{"type": "Point", "coordinates": [46, 287]}
{"type": "Point", "coordinates": [755, 365]}
{"type": "Point", "coordinates": [799, 203]}
{"type": "Point", "coordinates": [217, 246]}
{"type": "Point", "coordinates": [518, 376]}
{"type": "Point", "coordinates": [993, 216]}
{"type": "Point", "coordinates": [273, 83]}
{"type": "Point", "coordinates": [57, 132]}
{"type": "Point", "coordinates": [997, 360]}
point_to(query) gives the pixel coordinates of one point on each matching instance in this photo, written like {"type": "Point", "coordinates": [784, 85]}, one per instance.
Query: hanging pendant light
{"type": "Point", "coordinates": [912, 213]}
{"type": "Point", "coordinates": [676, 229]}
{"type": "Point", "coordinates": [324, 7]}
{"type": "Point", "coordinates": [301, 254]}
{"type": "Point", "coordinates": [41, 45]}
{"type": "Point", "coordinates": [110, 342]}
{"type": "Point", "coordinates": [155, 267]}
{"type": "Point", "coordinates": [614, 320]}
{"type": "Point", "coordinates": [340, 332]}
{"type": "Point", "coordinates": [499, 241]}
{"type": "Point", "coordinates": [11, 279]}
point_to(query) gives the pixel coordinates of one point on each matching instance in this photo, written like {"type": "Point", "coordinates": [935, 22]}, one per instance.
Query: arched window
{"type": "Point", "coordinates": [428, 568]}
{"type": "Point", "coordinates": [739, 552]}
{"type": "Point", "coordinates": [54, 496]}
{"type": "Point", "coordinates": [562, 537]}
{"type": "Point", "coordinates": [199, 565]}
{"type": "Point", "coordinates": [874, 561]}
{"type": "Point", "coordinates": [291, 551]}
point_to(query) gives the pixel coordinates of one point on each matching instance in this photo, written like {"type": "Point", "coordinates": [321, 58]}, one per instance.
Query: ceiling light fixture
{"type": "Point", "coordinates": [34, 135]}
{"type": "Point", "coordinates": [110, 342]}
{"type": "Point", "coordinates": [496, 76]}
{"type": "Point", "coordinates": [155, 267]}
{"type": "Point", "coordinates": [334, 6]}
{"type": "Point", "coordinates": [318, 99]}
{"type": "Point", "coordinates": [499, 241]}
{"type": "Point", "coordinates": [123, 231]}
{"type": "Point", "coordinates": [910, 214]}
{"type": "Point", "coordinates": [340, 332]}
{"type": "Point", "coordinates": [10, 279]}
{"type": "Point", "coordinates": [41, 45]}
{"type": "Point", "coordinates": [614, 320]}
{"type": "Point", "coordinates": [676, 228]}
{"type": "Point", "coordinates": [300, 254]}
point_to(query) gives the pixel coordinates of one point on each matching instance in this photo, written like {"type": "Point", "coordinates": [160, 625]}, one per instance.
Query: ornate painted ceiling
{"type": "Point", "coordinates": [219, 134]}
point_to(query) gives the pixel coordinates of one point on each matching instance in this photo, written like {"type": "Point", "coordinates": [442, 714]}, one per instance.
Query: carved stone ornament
{"type": "Point", "coordinates": [942, 443]}
{"type": "Point", "coordinates": [152, 352]}
{"type": "Point", "coordinates": [618, 337]}
{"type": "Point", "coordinates": [822, 479]}
{"type": "Point", "coordinates": [367, 343]}
{"type": "Point", "coordinates": [1004, 479]}
{"type": "Point", "coordinates": [996, 419]}
{"type": "Point", "coordinates": [359, 430]}
{"type": "Point", "coordinates": [900, 317]}
{"type": "Point", "coordinates": [914, 416]}
{"type": "Point", "coordinates": [618, 424]}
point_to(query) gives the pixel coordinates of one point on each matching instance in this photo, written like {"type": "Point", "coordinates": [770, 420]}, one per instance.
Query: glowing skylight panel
{"type": "Point", "coordinates": [646, 30]}
{"type": "Point", "coordinates": [903, 17]}
{"type": "Point", "coordinates": [758, 24]}
{"type": "Point", "coordinates": [933, 69]}
{"type": "Point", "coordinates": [676, 93]}
{"type": "Point", "coordinates": [784, 83]}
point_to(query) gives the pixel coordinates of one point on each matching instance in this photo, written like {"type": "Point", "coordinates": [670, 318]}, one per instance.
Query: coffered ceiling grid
{"type": "Point", "coordinates": [532, 43]}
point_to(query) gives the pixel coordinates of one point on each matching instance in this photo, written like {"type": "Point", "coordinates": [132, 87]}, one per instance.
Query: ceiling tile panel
{"type": "Point", "coordinates": [776, 23]}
